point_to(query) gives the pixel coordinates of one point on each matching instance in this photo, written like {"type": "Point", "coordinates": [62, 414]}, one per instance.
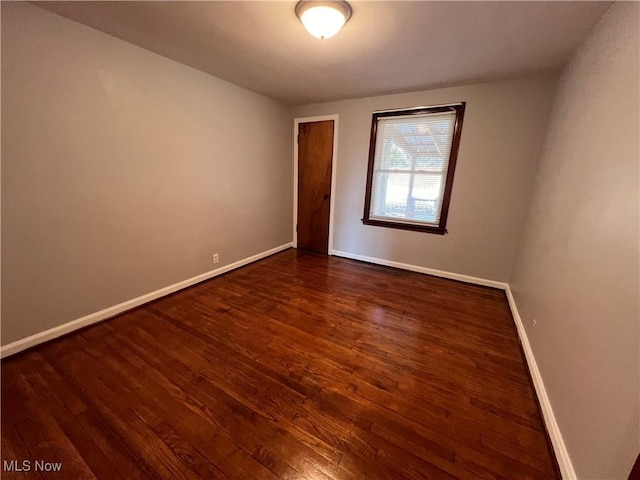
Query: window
{"type": "Point", "coordinates": [412, 158]}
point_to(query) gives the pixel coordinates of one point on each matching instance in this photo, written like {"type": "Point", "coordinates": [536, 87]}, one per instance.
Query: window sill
{"type": "Point", "coordinates": [405, 226]}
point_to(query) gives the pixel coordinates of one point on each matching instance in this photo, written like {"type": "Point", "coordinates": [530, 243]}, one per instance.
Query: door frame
{"type": "Point", "coordinates": [334, 164]}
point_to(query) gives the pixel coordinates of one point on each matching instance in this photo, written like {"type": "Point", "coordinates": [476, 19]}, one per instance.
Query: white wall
{"type": "Point", "coordinates": [577, 269]}
{"type": "Point", "coordinates": [123, 171]}
{"type": "Point", "coordinates": [503, 131]}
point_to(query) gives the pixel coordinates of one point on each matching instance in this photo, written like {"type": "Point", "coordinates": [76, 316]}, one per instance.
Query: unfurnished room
{"type": "Point", "coordinates": [320, 240]}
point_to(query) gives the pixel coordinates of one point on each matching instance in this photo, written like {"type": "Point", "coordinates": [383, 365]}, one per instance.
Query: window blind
{"type": "Point", "coordinates": [410, 167]}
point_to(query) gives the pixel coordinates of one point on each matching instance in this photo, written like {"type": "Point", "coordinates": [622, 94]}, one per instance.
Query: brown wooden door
{"type": "Point", "coordinates": [315, 154]}
{"type": "Point", "coordinates": [635, 471]}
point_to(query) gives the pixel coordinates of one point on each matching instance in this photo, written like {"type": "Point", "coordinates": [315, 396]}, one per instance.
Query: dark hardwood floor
{"type": "Point", "coordinates": [299, 366]}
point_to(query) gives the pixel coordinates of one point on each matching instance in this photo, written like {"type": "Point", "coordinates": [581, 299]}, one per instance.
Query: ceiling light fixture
{"type": "Point", "coordinates": [323, 19]}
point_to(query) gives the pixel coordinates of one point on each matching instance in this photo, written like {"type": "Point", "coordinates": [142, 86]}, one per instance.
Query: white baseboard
{"type": "Point", "coordinates": [429, 271]}
{"type": "Point", "coordinates": [69, 327]}
{"type": "Point", "coordinates": [559, 447]}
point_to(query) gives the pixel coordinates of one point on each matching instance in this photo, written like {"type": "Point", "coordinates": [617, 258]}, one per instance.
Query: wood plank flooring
{"type": "Point", "coordinates": [299, 366]}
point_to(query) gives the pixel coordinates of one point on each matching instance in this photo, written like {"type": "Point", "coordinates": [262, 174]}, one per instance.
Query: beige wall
{"type": "Point", "coordinates": [577, 268]}
{"type": "Point", "coordinates": [123, 171]}
{"type": "Point", "coordinates": [503, 130]}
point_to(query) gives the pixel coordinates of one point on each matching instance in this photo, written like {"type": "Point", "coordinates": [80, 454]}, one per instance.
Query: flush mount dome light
{"type": "Point", "coordinates": [323, 19]}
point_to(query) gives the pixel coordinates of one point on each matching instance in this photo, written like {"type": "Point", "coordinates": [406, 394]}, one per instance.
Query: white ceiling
{"type": "Point", "coordinates": [386, 47]}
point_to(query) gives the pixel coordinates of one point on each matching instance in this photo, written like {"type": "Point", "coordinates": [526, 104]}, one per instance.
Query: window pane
{"type": "Point", "coordinates": [394, 157]}
{"type": "Point", "coordinates": [416, 143]}
{"type": "Point", "coordinates": [390, 193]}
{"type": "Point", "coordinates": [410, 161]}
{"type": "Point", "coordinates": [431, 163]}
{"type": "Point", "coordinates": [391, 197]}
{"type": "Point", "coordinates": [427, 197]}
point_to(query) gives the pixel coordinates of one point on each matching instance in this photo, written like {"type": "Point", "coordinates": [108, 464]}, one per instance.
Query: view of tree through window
{"type": "Point", "coordinates": [410, 167]}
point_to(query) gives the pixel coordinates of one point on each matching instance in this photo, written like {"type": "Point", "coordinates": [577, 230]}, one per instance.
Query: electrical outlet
{"type": "Point", "coordinates": [533, 322]}
{"type": "Point", "coordinates": [216, 258]}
